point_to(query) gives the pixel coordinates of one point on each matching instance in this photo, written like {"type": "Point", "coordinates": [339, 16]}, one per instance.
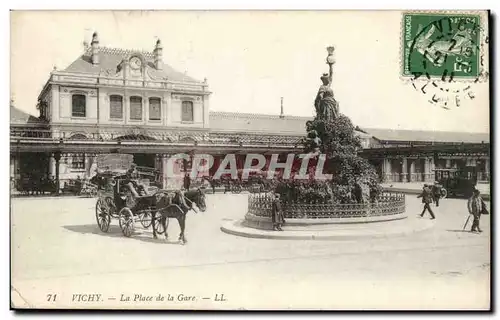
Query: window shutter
{"type": "Point", "coordinates": [78, 105]}
{"type": "Point", "coordinates": [136, 108]}
{"type": "Point", "coordinates": [116, 107]}
{"type": "Point", "coordinates": [187, 111]}
{"type": "Point", "coordinates": [154, 109]}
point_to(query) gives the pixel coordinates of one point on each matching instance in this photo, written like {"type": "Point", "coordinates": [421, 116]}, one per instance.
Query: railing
{"type": "Point", "coordinates": [386, 205]}
{"type": "Point", "coordinates": [152, 136]}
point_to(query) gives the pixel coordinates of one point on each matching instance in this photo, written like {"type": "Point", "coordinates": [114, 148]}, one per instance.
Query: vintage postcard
{"type": "Point", "coordinates": [250, 160]}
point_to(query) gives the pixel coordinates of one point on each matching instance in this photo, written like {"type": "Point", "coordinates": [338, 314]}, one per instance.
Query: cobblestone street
{"type": "Point", "coordinates": [59, 250]}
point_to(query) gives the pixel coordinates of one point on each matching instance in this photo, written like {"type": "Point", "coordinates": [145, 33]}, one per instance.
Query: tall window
{"type": "Point", "coordinates": [78, 102]}
{"type": "Point", "coordinates": [154, 109]}
{"type": "Point", "coordinates": [187, 111]}
{"type": "Point", "coordinates": [116, 107]}
{"type": "Point", "coordinates": [78, 161]}
{"type": "Point", "coordinates": [135, 108]}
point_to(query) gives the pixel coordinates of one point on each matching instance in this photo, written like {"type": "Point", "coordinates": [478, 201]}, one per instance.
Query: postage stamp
{"type": "Point", "coordinates": [444, 54]}
{"type": "Point", "coordinates": [442, 45]}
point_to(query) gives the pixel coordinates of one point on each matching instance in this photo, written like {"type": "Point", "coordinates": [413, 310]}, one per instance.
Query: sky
{"type": "Point", "coordinates": [251, 59]}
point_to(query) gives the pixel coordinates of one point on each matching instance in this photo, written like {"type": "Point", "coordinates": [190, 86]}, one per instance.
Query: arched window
{"type": "Point", "coordinates": [187, 111]}
{"type": "Point", "coordinates": [116, 107]}
{"type": "Point", "coordinates": [78, 105]}
{"type": "Point", "coordinates": [135, 108]}
{"type": "Point", "coordinates": [78, 136]}
{"type": "Point", "coordinates": [154, 109]}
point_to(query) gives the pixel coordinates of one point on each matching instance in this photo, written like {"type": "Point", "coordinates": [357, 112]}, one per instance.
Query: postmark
{"type": "Point", "coordinates": [444, 54]}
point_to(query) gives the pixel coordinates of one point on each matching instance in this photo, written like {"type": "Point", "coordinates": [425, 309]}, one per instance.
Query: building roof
{"type": "Point", "coordinates": [427, 136]}
{"type": "Point", "coordinates": [19, 117]}
{"type": "Point", "coordinates": [257, 123]}
{"type": "Point", "coordinates": [294, 125]}
{"type": "Point", "coordinates": [110, 58]}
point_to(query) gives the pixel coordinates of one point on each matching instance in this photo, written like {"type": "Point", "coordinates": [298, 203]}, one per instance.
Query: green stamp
{"type": "Point", "coordinates": [441, 45]}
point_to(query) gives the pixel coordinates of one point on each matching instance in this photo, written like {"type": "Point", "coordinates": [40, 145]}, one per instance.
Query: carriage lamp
{"type": "Point", "coordinates": [330, 59]}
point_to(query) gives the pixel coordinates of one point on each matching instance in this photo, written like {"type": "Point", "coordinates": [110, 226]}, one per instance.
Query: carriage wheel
{"type": "Point", "coordinates": [158, 226]}
{"type": "Point", "coordinates": [126, 221]}
{"type": "Point", "coordinates": [146, 219]}
{"type": "Point", "coordinates": [102, 216]}
{"type": "Point", "coordinates": [236, 189]}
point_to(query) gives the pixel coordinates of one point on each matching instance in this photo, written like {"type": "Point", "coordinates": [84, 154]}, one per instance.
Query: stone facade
{"type": "Point", "coordinates": [118, 90]}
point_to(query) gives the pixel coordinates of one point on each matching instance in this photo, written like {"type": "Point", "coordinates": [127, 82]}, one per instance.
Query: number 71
{"type": "Point", "coordinates": [51, 297]}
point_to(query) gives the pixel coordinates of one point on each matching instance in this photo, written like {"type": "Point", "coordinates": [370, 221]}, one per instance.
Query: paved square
{"type": "Point", "coordinates": [58, 249]}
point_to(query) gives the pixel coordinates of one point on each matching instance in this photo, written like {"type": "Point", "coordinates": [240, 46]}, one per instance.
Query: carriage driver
{"type": "Point", "coordinates": [136, 188]}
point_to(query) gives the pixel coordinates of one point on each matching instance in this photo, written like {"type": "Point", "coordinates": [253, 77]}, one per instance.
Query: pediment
{"type": "Point", "coordinates": [112, 73]}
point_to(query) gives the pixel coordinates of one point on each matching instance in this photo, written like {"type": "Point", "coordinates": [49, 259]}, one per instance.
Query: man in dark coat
{"type": "Point", "coordinates": [187, 181]}
{"type": "Point", "coordinates": [277, 213]}
{"type": "Point", "coordinates": [476, 207]}
{"type": "Point", "coordinates": [426, 196]}
{"type": "Point", "coordinates": [436, 192]}
{"type": "Point", "coordinates": [212, 184]}
{"type": "Point", "coordinates": [227, 185]}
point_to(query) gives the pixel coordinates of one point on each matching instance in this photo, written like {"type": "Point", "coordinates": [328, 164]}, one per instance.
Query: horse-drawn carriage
{"type": "Point", "coordinates": [116, 200]}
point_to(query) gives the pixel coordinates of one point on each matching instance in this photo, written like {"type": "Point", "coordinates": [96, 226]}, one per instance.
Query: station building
{"type": "Point", "coordinates": [117, 100]}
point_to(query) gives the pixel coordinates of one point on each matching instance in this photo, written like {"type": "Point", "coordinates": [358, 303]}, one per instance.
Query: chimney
{"type": "Point", "coordinates": [158, 53]}
{"type": "Point", "coordinates": [282, 115]}
{"type": "Point", "coordinates": [95, 48]}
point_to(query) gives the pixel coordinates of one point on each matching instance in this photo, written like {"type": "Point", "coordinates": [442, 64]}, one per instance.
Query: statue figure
{"type": "Point", "coordinates": [325, 103]}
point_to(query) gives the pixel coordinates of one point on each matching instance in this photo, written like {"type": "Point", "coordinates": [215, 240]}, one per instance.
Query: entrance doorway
{"type": "Point", "coordinates": [144, 160]}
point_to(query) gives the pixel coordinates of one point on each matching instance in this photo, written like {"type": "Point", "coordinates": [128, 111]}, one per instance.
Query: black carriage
{"type": "Point", "coordinates": [115, 199]}
{"type": "Point", "coordinates": [118, 203]}
{"type": "Point", "coordinates": [121, 197]}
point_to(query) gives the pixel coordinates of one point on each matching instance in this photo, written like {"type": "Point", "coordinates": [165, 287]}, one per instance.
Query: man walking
{"type": "Point", "coordinates": [436, 192]}
{"type": "Point", "coordinates": [187, 181]}
{"type": "Point", "coordinates": [426, 196]}
{"type": "Point", "coordinates": [476, 207]}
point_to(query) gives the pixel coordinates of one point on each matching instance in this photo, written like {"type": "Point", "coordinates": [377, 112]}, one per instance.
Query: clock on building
{"type": "Point", "coordinates": [135, 63]}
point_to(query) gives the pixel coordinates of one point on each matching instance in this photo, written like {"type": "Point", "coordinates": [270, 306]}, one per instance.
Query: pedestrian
{"type": "Point", "coordinates": [426, 196]}
{"type": "Point", "coordinates": [212, 184]}
{"type": "Point", "coordinates": [436, 192]}
{"type": "Point", "coordinates": [187, 181]}
{"type": "Point", "coordinates": [476, 207]}
{"type": "Point", "coordinates": [277, 213]}
{"type": "Point", "coordinates": [227, 185]}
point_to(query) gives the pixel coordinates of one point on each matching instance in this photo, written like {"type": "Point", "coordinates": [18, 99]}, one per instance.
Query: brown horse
{"type": "Point", "coordinates": [171, 206]}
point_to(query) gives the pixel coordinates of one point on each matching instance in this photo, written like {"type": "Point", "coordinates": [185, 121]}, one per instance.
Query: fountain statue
{"type": "Point", "coordinates": [325, 103]}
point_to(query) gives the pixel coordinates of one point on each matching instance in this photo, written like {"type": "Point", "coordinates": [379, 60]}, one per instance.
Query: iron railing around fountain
{"type": "Point", "coordinates": [388, 203]}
